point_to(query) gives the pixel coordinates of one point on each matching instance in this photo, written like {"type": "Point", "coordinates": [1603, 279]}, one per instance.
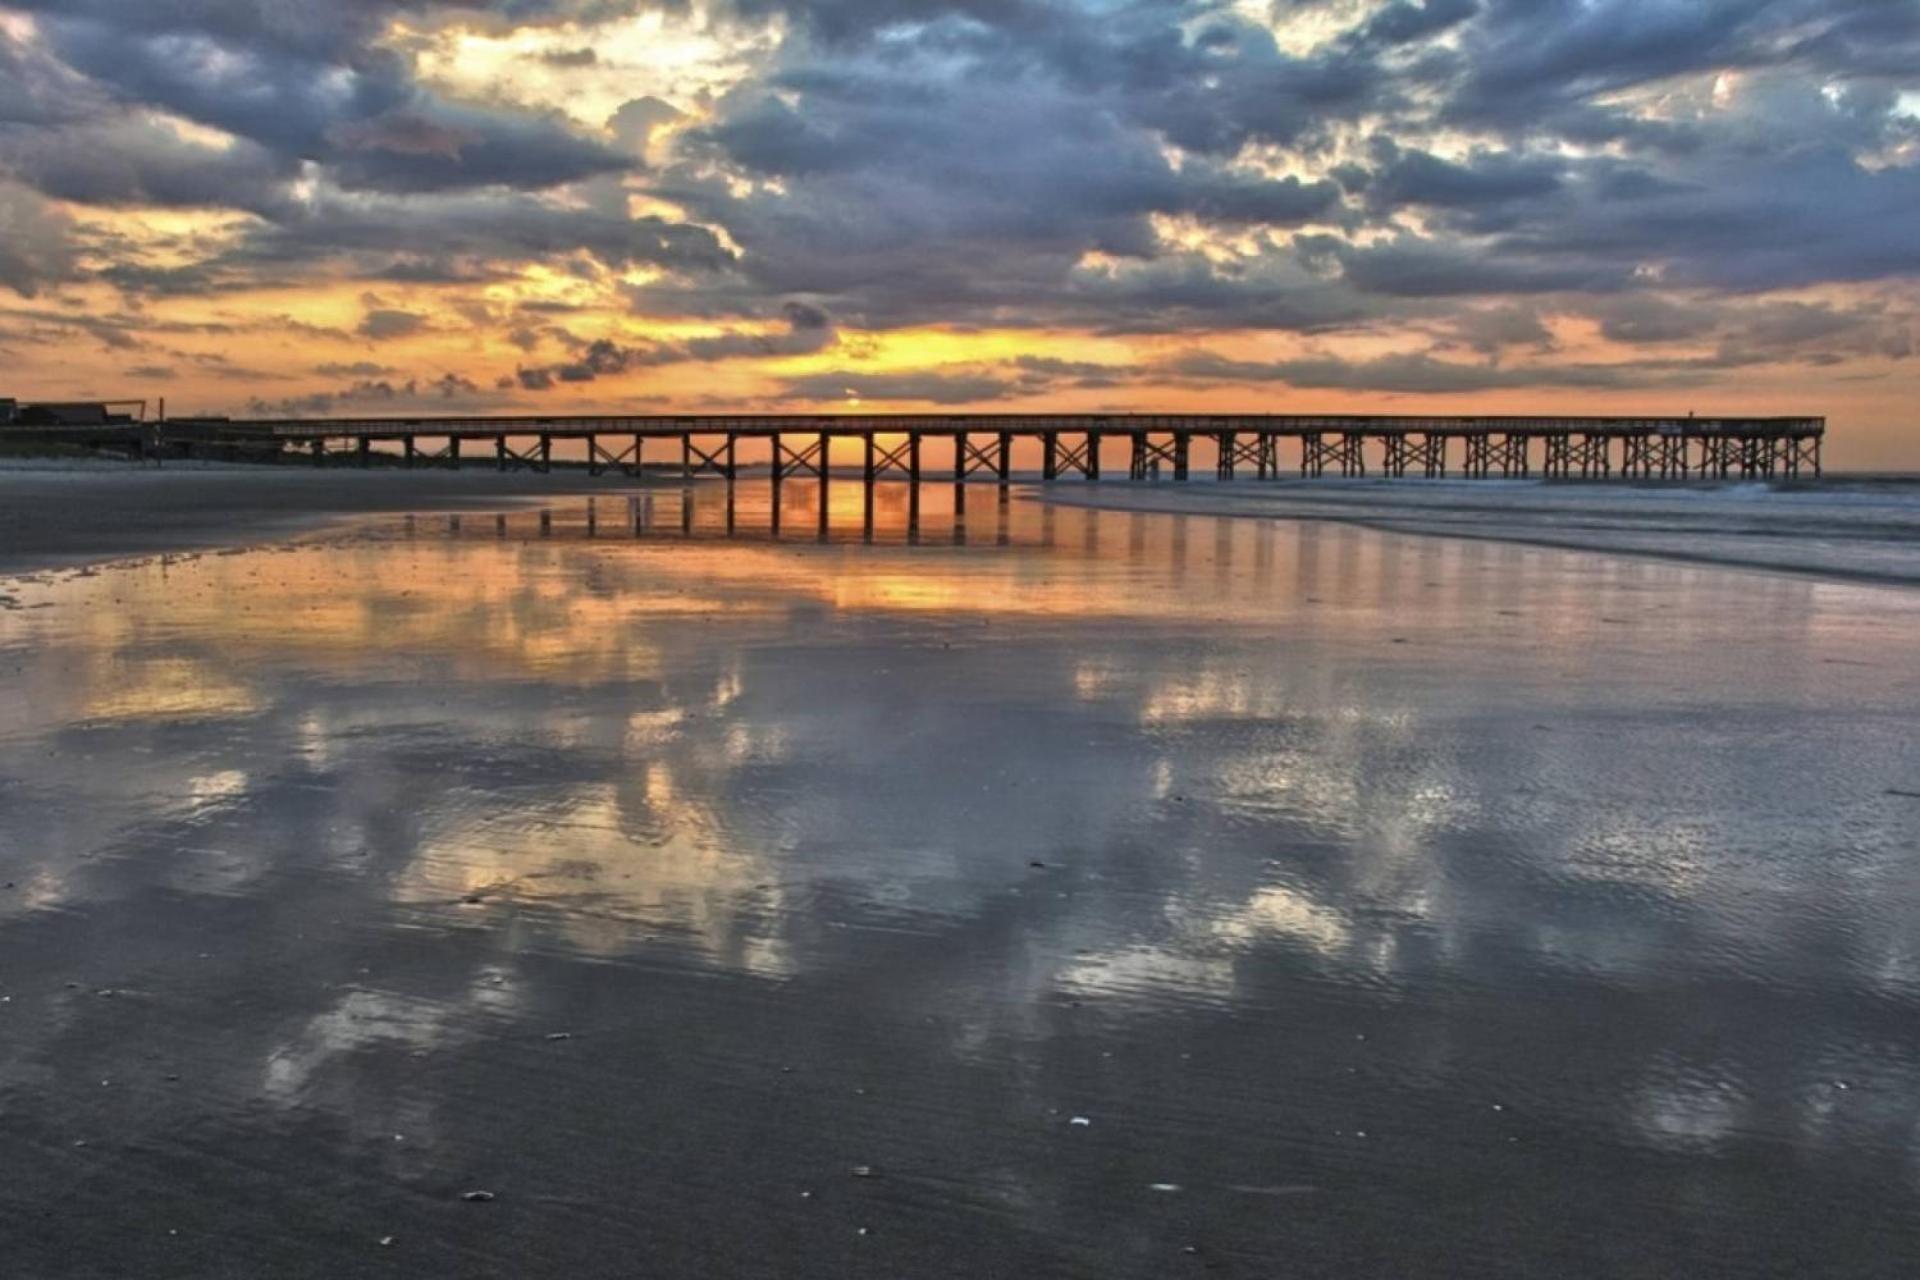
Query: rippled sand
{"type": "Point", "coordinates": [1384, 905]}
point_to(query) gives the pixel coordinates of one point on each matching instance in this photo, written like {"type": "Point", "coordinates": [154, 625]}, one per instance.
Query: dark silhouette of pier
{"type": "Point", "coordinates": [921, 448]}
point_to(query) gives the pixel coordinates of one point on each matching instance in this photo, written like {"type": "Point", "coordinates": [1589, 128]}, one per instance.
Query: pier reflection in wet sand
{"type": "Point", "coordinates": [1383, 906]}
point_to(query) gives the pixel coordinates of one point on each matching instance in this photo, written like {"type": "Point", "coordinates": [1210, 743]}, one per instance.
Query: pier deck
{"type": "Point", "coordinates": [980, 445]}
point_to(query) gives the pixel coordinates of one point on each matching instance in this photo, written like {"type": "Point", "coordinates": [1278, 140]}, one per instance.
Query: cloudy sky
{"type": "Point", "coordinates": [362, 206]}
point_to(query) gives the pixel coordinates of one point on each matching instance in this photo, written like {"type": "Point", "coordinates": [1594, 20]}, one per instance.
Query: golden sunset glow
{"type": "Point", "coordinates": [640, 207]}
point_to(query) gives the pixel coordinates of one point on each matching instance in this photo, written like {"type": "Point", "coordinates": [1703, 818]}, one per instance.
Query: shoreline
{"type": "Point", "coordinates": [1582, 531]}
{"type": "Point", "coordinates": [183, 509]}
{"type": "Point", "coordinates": [130, 512]}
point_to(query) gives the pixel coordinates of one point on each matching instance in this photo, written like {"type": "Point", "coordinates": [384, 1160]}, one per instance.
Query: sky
{"type": "Point", "coordinates": [278, 207]}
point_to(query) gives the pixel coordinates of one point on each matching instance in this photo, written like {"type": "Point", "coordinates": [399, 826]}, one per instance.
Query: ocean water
{"type": "Point", "coordinates": [1864, 527]}
{"type": "Point", "coordinates": [751, 885]}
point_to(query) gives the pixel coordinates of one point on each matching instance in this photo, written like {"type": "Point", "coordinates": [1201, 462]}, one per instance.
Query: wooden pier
{"type": "Point", "coordinates": [960, 447]}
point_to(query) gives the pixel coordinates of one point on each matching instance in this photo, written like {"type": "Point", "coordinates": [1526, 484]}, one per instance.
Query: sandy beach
{"type": "Point", "coordinates": [66, 514]}
{"type": "Point", "coordinates": [462, 875]}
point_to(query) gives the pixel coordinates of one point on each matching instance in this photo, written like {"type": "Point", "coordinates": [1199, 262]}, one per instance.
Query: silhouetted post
{"type": "Point", "coordinates": [1049, 456]}
{"type": "Point", "coordinates": [1006, 456]}
{"type": "Point", "coordinates": [546, 450]}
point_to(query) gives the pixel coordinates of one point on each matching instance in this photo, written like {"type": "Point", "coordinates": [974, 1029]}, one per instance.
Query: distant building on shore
{"type": "Point", "coordinates": [81, 413]}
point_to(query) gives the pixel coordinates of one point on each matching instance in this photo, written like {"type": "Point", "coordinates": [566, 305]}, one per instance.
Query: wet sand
{"type": "Point", "coordinates": [1384, 905]}
{"type": "Point", "coordinates": [57, 515]}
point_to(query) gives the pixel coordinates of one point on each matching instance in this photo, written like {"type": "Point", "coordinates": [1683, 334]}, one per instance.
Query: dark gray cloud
{"type": "Point", "coordinates": [634, 123]}
{"type": "Point", "coordinates": [1466, 170]}
{"type": "Point", "coordinates": [808, 330]}
{"type": "Point", "coordinates": [36, 242]}
{"type": "Point", "coordinates": [1423, 267]}
{"type": "Point", "coordinates": [137, 161]}
{"type": "Point", "coordinates": [309, 82]}
{"type": "Point", "coordinates": [382, 323]}
{"type": "Point", "coordinates": [465, 236]}
{"type": "Point", "coordinates": [1409, 177]}
{"type": "Point", "coordinates": [950, 174]}
{"type": "Point", "coordinates": [444, 393]}
{"type": "Point", "coordinates": [1418, 374]}
{"type": "Point", "coordinates": [1491, 330]}
{"type": "Point", "coordinates": [1647, 318]}
{"type": "Point", "coordinates": [362, 369]}
{"type": "Point", "coordinates": [334, 146]}
{"type": "Point", "coordinates": [1523, 61]}
{"type": "Point", "coordinates": [931, 386]}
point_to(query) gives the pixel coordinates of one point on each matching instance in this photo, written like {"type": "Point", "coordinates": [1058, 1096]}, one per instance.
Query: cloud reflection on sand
{"type": "Point", "coordinates": [1193, 759]}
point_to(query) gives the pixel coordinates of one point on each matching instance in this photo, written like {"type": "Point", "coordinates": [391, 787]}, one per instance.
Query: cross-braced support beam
{"type": "Point", "coordinates": [1149, 453]}
{"type": "Point", "coordinates": [1393, 455]}
{"type": "Point", "coordinates": [972, 459]}
{"type": "Point", "coordinates": [1670, 456]}
{"type": "Point", "coordinates": [1761, 456]}
{"type": "Point", "coordinates": [1430, 454]}
{"type": "Point", "coordinates": [1425, 454]}
{"type": "Point", "coordinates": [1254, 449]}
{"type": "Point", "coordinates": [696, 460]}
{"type": "Point", "coordinates": [537, 456]}
{"type": "Point", "coordinates": [897, 462]}
{"type": "Point", "coordinates": [1804, 456]}
{"type": "Point", "coordinates": [1511, 453]}
{"type": "Point", "coordinates": [1636, 457]}
{"type": "Point", "coordinates": [1558, 463]}
{"type": "Point", "coordinates": [603, 459]}
{"type": "Point", "coordinates": [807, 460]}
{"type": "Point", "coordinates": [448, 454]}
{"type": "Point", "coordinates": [1718, 456]}
{"type": "Point", "coordinates": [1352, 461]}
{"type": "Point", "coordinates": [1063, 456]}
{"type": "Point", "coordinates": [1592, 457]}
{"type": "Point", "coordinates": [1317, 453]}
